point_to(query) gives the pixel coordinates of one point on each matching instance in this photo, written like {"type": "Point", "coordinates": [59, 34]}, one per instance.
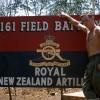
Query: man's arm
{"type": "Point", "coordinates": [74, 22]}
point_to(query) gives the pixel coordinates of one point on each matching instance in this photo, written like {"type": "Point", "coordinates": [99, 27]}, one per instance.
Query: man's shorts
{"type": "Point", "coordinates": [91, 83]}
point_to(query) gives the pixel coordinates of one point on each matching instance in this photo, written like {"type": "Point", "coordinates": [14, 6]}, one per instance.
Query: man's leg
{"type": "Point", "coordinates": [87, 88]}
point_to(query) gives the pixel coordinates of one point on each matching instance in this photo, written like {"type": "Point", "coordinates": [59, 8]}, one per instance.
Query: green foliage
{"type": "Point", "coordinates": [46, 7]}
{"type": "Point", "coordinates": [69, 6]}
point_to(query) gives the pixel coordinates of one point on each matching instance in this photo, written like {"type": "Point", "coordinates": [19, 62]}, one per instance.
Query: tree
{"type": "Point", "coordinates": [69, 6]}
{"type": "Point", "coordinates": [46, 7]}
{"type": "Point", "coordinates": [38, 7]}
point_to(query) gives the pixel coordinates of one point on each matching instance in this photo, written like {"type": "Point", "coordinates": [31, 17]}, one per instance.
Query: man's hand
{"type": "Point", "coordinates": [64, 14]}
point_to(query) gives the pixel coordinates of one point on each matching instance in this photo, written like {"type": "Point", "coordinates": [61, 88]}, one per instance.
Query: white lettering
{"type": "Point", "coordinates": [45, 26]}
{"type": "Point", "coordinates": [18, 81]}
{"type": "Point", "coordinates": [58, 82]}
{"type": "Point", "coordinates": [63, 26]}
{"type": "Point", "coordinates": [71, 82]}
{"type": "Point", "coordinates": [56, 72]}
{"type": "Point", "coordinates": [8, 26]}
{"type": "Point", "coordinates": [43, 71]}
{"type": "Point", "coordinates": [5, 81]}
{"type": "Point", "coordinates": [24, 81]}
{"type": "Point", "coordinates": [23, 25]}
{"type": "Point", "coordinates": [34, 26]}
{"type": "Point", "coordinates": [57, 25]}
{"type": "Point", "coordinates": [62, 72]}
{"type": "Point", "coordinates": [37, 71]}
{"type": "Point", "coordinates": [11, 80]}
{"type": "Point", "coordinates": [49, 71]}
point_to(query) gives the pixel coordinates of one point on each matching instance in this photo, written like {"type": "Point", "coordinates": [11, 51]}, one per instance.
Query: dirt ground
{"type": "Point", "coordinates": [34, 93]}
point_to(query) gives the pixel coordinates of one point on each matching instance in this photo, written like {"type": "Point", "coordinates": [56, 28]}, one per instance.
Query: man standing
{"type": "Point", "coordinates": [91, 84]}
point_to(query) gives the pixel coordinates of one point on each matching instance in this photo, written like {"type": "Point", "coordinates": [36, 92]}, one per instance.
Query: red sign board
{"type": "Point", "coordinates": [42, 46]}
{"type": "Point", "coordinates": [26, 33]}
